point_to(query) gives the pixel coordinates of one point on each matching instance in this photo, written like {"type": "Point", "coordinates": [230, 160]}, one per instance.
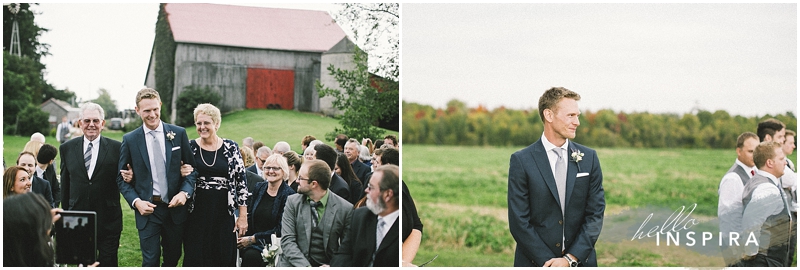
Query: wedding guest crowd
{"type": "Point", "coordinates": [207, 200]}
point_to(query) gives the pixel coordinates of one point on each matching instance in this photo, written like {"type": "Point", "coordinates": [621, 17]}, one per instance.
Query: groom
{"type": "Point", "coordinates": [156, 192]}
{"type": "Point", "coordinates": [555, 191]}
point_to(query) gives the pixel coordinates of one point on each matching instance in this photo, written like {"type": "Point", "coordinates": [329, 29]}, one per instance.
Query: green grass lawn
{"type": "Point", "coordinates": [461, 196]}
{"type": "Point", "coordinates": [268, 126]}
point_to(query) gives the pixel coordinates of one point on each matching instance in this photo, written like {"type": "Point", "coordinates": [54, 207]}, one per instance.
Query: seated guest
{"type": "Point", "coordinates": [306, 141]}
{"type": "Point", "coordinates": [294, 162]}
{"type": "Point", "coordinates": [26, 236]}
{"type": "Point", "coordinates": [281, 147]}
{"type": "Point", "coordinates": [364, 156]}
{"type": "Point", "coordinates": [266, 211]}
{"type": "Point", "coordinates": [344, 170]}
{"type": "Point", "coordinates": [45, 170]}
{"type": "Point", "coordinates": [16, 180]}
{"type": "Point", "coordinates": [337, 184]}
{"type": "Point", "coordinates": [315, 219]}
{"type": "Point", "coordinates": [247, 156]}
{"type": "Point", "coordinates": [309, 154]}
{"type": "Point", "coordinates": [372, 239]}
{"type": "Point", "coordinates": [38, 185]}
{"type": "Point", "coordinates": [261, 154]}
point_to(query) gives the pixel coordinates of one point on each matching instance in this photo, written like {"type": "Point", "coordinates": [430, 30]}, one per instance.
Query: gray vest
{"type": "Point", "coordinates": [64, 132]}
{"type": "Point", "coordinates": [316, 250]}
{"type": "Point", "coordinates": [777, 227]}
{"type": "Point", "coordinates": [741, 172]}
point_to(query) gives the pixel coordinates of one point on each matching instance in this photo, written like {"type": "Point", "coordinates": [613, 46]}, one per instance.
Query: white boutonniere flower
{"type": "Point", "coordinates": [577, 156]}
{"type": "Point", "coordinates": [269, 253]}
{"type": "Point", "coordinates": [170, 135]}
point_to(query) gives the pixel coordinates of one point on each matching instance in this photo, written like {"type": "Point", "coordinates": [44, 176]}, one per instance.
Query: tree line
{"type": "Point", "coordinates": [459, 125]}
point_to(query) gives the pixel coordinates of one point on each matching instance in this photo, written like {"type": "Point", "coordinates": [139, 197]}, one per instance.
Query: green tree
{"type": "Point", "coordinates": [32, 119]}
{"type": "Point", "coordinates": [104, 100]}
{"type": "Point", "coordinates": [29, 33]}
{"type": "Point", "coordinates": [164, 48]}
{"type": "Point", "coordinates": [189, 99]}
{"type": "Point", "coordinates": [363, 99]}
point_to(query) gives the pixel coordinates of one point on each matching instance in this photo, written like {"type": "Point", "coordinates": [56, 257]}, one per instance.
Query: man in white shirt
{"type": "Point", "coordinates": [62, 131]}
{"type": "Point", "coordinates": [729, 207]}
{"type": "Point", "coordinates": [766, 210]}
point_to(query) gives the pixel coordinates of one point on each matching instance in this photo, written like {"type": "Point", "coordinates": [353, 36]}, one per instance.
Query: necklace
{"type": "Point", "coordinates": [215, 155]}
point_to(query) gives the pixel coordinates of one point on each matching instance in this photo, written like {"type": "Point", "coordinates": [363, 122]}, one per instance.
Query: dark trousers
{"type": "Point", "coordinates": [210, 240]}
{"type": "Point", "coordinates": [107, 248]}
{"type": "Point", "coordinates": [251, 257]}
{"type": "Point", "coordinates": [161, 232]}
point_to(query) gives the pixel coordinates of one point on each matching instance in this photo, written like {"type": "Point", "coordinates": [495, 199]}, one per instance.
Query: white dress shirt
{"type": "Point", "coordinates": [149, 141]}
{"type": "Point", "coordinates": [729, 207]}
{"type": "Point", "coordinates": [95, 152]}
{"type": "Point", "coordinates": [389, 219]}
{"type": "Point", "coordinates": [552, 156]}
{"type": "Point", "coordinates": [765, 202]}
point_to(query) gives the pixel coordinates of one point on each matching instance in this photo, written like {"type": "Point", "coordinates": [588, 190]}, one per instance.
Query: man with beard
{"type": "Point", "coordinates": [372, 239]}
{"type": "Point", "coordinates": [315, 220]}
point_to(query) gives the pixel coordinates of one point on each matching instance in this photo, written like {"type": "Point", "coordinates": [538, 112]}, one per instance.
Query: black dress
{"type": "Point", "coordinates": [209, 238]}
{"type": "Point", "coordinates": [410, 218]}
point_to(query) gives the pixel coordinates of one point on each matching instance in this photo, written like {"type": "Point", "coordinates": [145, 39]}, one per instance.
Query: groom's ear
{"type": "Point", "coordinates": [548, 115]}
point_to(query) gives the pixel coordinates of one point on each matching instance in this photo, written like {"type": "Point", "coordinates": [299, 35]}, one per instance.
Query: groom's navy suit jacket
{"type": "Point", "coordinates": [134, 152]}
{"type": "Point", "coordinates": [534, 211]}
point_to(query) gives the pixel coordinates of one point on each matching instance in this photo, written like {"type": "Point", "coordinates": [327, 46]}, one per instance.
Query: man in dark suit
{"type": "Point", "coordinates": [92, 186]}
{"type": "Point", "coordinates": [551, 173]}
{"type": "Point", "coordinates": [314, 221]}
{"type": "Point", "coordinates": [156, 191]}
{"type": "Point", "coordinates": [379, 220]}
{"type": "Point", "coordinates": [362, 170]}
{"type": "Point", "coordinates": [326, 153]}
{"type": "Point", "coordinates": [44, 169]}
{"type": "Point", "coordinates": [262, 153]}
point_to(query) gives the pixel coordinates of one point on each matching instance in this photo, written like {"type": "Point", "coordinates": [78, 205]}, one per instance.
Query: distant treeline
{"type": "Point", "coordinates": [459, 125]}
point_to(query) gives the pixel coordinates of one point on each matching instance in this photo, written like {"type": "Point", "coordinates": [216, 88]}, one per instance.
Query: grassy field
{"type": "Point", "coordinates": [461, 196]}
{"type": "Point", "coordinates": [268, 126]}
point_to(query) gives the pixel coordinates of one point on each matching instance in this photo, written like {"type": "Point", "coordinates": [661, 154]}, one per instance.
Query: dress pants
{"type": "Point", "coordinates": [107, 248]}
{"type": "Point", "coordinates": [161, 232]}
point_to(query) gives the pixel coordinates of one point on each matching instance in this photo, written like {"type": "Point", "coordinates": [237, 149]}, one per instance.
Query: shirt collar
{"type": "Point", "coordinates": [770, 176]}
{"type": "Point", "coordinates": [87, 141]}
{"type": "Point", "coordinates": [390, 218]}
{"type": "Point", "coordinates": [745, 167]}
{"type": "Point", "coordinates": [548, 146]}
{"type": "Point", "coordinates": [323, 200]}
{"type": "Point", "coordinates": [160, 128]}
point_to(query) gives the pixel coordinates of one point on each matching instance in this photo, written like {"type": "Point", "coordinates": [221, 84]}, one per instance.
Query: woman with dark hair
{"type": "Point", "coordinates": [16, 180]}
{"type": "Point", "coordinates": [345, 170]}
{"type": "Point", "coordinates": [294, 161]}
{"type": "Point", "coordinates": [266, 212]}
{"type": "Point", "coordinates": [26, 236]}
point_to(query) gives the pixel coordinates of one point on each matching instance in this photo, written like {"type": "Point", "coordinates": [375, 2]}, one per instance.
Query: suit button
{"type": "Point", "coordinates": [560, 222]}
{"type": "Point", "coordinates": [558, 244]}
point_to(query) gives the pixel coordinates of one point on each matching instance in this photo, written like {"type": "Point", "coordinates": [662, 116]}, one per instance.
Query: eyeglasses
{"type": "Point", "coordinates": [88, 121]}
{"type": "Point", "coordinates": [260, 160]}
{"type": "Point", "coordinates": [370, 187]}
{"type": "Point", "coordinates": [266, 169]}
{"type": "Point", "coordinates": [305, 179]}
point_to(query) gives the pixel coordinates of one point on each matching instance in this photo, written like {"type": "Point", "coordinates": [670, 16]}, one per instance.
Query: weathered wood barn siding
{"type": "Point", "coordinates": [224, 70]}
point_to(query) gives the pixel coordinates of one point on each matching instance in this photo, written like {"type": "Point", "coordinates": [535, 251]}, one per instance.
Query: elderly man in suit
{"type": "Point", "coordinates": [158, 192]}
{"type": "Point", "coordinates": [373, 236]}
{"type": "Point", "coordinates": [555, 191]}
{"type": "Point", "coordinates": [363, 171]}
{"type": "Point", "coordinates": [88, 180]}
{"type": "Point", "coordinates": [315, 220]}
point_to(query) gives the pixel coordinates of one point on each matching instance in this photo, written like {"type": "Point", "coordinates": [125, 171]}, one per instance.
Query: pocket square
{"type": "Point", "coordinates": [582, 174]}
{"type": "Point", "coordinates": [176, 148]}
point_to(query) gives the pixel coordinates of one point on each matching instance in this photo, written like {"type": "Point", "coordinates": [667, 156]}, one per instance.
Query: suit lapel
{"type": "Point", "coordinates": [305, 215]}
{"type": "Point", "coordinates": [572, 171]}
{"type": "Point", "coordinates": [143, 149]}
{"type": "Point", "coordinates": [543, 163]}
{"type": "Point", "coordinates": [327, 218]}
{"type": "Point", "coordinates": [385, 243]}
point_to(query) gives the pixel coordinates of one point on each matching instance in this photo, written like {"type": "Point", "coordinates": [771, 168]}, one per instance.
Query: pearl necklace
{"type": "Point", "coordinates": [215, 154]}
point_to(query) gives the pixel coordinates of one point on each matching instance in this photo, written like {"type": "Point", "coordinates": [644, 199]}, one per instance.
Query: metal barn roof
{"type": "Point", "coordinates": [253, 27]}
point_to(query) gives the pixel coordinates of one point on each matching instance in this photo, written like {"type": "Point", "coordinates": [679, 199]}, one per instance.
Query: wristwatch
{"type": "Point", "coordinates": [572, 263]}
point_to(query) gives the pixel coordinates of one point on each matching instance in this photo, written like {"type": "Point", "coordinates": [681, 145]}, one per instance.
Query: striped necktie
{"type": "Point", "coordinates": [87, 156]}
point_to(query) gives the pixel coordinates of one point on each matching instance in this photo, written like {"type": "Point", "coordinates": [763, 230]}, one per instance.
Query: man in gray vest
{"type": "Point", "coordinates": [729, 207]}
{"type": "Point", "coordinates": [62, 131]}
{"type": "Point", "coordinates": [766, 210]}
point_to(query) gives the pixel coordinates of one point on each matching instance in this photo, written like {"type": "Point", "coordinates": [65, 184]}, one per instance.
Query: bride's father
{"type": "Point", "coordinates": [555, 191]}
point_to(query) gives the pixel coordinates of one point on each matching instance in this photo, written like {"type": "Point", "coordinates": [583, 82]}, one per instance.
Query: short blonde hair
{"type": "Point", "coordinates": [247, 156]}
{"type": "Point", "coordinates": [210, 110]}
{"type": "Point", "coordinates": [765, 151]}
{"type": "Point", "coordinates": [147, 93]}
{"type": "Point", "coordinates": [552, 96]}
{"type": "Point", "coordinates": [277, 158]}
{"type": "Point", "coordinates": [33, 148]}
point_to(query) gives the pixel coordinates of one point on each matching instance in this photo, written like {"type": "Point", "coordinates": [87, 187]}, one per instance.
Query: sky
{"type": "Point", "coordinates": [660, 58]}
{"type": "Point", "coordinates": [108, 46]}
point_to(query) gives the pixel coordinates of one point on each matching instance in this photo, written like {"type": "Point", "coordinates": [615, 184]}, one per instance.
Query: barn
{"type": "Point", "coordinates": [254, 57]}
{"type": "Point", "coordinates": [58, 109]}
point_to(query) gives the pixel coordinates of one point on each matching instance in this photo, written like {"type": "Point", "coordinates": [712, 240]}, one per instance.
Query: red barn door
{"type": "Point", "coordinates": [270, 87]}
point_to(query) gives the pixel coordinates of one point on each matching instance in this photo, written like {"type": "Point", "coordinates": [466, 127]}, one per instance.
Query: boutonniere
{"type": "Point", "coordinates": [170, 135]}
{"type": "Point", "coordinates": [577, 156]}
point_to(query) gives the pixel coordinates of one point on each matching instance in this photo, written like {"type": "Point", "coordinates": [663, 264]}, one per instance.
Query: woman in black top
{"type": "Point", "coordinates": [269, 199]}
{"type": "Point", "coordinates": [412, 228]}
{"type": "Point", "coordinates": [345, 170]}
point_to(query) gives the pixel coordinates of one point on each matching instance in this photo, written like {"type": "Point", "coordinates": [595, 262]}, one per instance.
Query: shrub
{"type": "Point", "coordinates": [32, 119]}
{"type": "Point", "coordinates": [189, 99]}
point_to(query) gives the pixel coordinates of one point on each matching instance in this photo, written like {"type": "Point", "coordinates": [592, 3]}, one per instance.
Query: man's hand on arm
{"type": "Point", "coordinates": [144, 207]}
